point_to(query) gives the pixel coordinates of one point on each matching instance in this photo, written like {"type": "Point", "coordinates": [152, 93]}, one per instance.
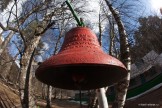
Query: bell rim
{"type": "Point", "coordinates": [122, 74]}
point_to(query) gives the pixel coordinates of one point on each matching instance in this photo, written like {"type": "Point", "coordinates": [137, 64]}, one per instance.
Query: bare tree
{"type": "Point", "coordinates": [49, 90]}
{"type": "Point", "coordinates": [5, 60]}
{"type": "Point", "coordinates": [101, 92]}
{"type": "Point", "coordinates": [49, 96]}
{"type": "Point", "coordinates": [122, 86]}
{"type": "Point", "coordinates": [27, 52]}
{"type": "Point", "coordinates": [4, 4]}
{"type": "Point", "coordinates": [6, 41]}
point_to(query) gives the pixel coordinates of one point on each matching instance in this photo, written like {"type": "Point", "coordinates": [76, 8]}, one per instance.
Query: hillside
{"type": "Point", "coordinates": [9, 99]}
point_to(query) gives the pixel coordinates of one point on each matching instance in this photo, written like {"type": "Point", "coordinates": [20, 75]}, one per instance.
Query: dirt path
{"type": "Point", "coordinates": [9, 99]}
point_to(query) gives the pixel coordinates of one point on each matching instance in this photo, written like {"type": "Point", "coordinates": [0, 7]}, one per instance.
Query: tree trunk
{"type": "Point", "coordinates": [25, 65]}
{"type": "Point", "coordinates": [55, 93]}
{"type": "Point", "coordinates": [43, 91]}
{"type": "Point", "coordinates": [122, 86]}
{"type": "Point", "coordinates": [49, 96]}
{"type": "Point", "coordinates": [49, 90]}
{"type": "Point", "coordinates": [5, 42]}
{"type": "Point", "coordinates": [60, 93]}
{"type": "Point", "coordinates": [101, 93]}
{"type": "Point", "coordinates": [112, 37]}
{"type": "Point", "coordinates": [100, 31]}
{"type": "Point", "coordinates": [102, 99]}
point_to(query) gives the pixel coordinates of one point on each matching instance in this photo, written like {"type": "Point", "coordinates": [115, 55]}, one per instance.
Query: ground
{"type": "Point", "coordinates": [9, 99]}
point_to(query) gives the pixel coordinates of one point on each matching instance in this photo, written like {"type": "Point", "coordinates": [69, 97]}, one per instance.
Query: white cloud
{"type": "Point", "coordinates": [1, 30]}
{"type": "Point", "coordinates": [45, 46]}
{"type": "Point", "coordinates": [17, 63]}
{"type": "Point", "coordinates": [92, 17]}
{"type": "Point", "coordinates": [156, 5]}
{"type": "Point", "coordinates": [2, 38]}
{"type": "Point", "coordinates": [38, 58]}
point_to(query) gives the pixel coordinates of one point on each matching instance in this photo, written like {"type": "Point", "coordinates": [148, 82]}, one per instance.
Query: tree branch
{"type": "Point", "coordinates": [44, 30]}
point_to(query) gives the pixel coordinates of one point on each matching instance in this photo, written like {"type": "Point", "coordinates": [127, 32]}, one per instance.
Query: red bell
{"type": "Point", "coordinates": [81, 64]}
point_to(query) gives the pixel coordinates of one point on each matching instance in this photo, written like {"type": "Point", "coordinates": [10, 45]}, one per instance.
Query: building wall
{"type": "Point", "coordinates": [150, 100]}
{"type": "Point", "coordinates": [146, 76]}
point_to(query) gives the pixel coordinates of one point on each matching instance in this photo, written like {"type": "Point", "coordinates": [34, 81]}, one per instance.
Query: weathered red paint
{"type": "Point", "coordinates": [81, 64]}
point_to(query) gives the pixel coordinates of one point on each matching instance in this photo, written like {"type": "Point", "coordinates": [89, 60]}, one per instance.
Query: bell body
{"type": "Point", "coordinates": [81, 64]}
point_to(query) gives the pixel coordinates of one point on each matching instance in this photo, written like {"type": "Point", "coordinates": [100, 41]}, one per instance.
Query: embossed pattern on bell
{"type": "Point", "coordinates": [82, 63]}
{"type": "Point", "coordinates": [73, 39]}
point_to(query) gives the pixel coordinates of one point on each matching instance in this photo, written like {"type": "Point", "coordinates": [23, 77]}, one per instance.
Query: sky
{"type": "Point", "coordinates": [152, 7]}
{"type": "Point", "coordinates": [156, 5]}
{"type": "Point", "coordinates": [148, 7]}
{"type": "Point", "coordinates": [5, 14]}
